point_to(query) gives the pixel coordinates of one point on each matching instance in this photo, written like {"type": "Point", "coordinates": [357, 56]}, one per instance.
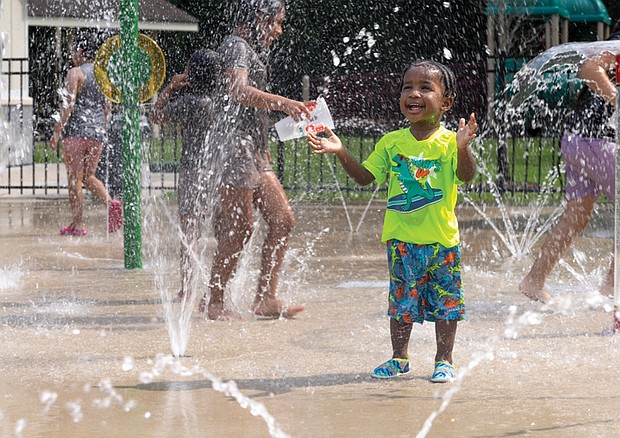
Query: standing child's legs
{"type": "Point", "coordinates": [572, 222]}
{"type": "Point", "coordinates": [278, 215]}
{"type": "Point", "coordinates": [445, 333]}
{"type": "Point", "coordinates": [425, 285]}
{"type": "Point", "coordinates": [95, 186]}
{"type": "Point", "coordinates": [232, 228]}
{"type": "Point", "coordinates": [76, 195]}
{"type": "Point", "coordinates": [607, 286]}
{"type": "Point", "coordinates": [400, 332]}
{"type": "Point", "coordinates": [81, 157]}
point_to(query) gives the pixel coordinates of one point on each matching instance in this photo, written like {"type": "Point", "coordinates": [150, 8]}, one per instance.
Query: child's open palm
{"type": "Point", "coordinates": [467, 131]}
{"type": "Point", "coordinates": [324, 145]}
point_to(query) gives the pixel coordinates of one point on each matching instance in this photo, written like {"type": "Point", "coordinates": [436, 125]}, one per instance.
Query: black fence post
{"type": "Point", "coordinates": [503, 169]}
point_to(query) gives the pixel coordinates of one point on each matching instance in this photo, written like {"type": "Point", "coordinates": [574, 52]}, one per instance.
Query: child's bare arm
{"type": "Point", "coordinates": [466, 167]}
{"type": "Point", "coordinates": [178, 81]}
{"type": "Point", "coordinates": [333, 145]}
{"type": "Point", "coordinates": [594, 71]}
{"type": "Point", "coordinates": [240, 89]}
{"type": "Point", "coordinates": [74, 83]}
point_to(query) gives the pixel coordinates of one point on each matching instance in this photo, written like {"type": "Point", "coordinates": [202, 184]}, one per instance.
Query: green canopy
{"type": "Point", "coordinates": [528, 7]}
{"type": "Point", "coordinates": [587, 11]}
{"type": "Point", "coordinates": [573, 10]}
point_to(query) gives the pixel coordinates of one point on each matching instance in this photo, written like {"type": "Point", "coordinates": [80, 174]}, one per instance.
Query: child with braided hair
{"type": "Point", "coordinates": [426, 163]}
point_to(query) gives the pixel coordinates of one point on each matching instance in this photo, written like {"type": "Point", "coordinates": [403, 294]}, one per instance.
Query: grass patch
{"type": "Point", "coordinates": [44, 154]}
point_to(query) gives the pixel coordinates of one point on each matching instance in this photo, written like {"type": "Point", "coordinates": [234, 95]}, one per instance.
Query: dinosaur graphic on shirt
{"type": "Point", "coordinates": [413, 177]}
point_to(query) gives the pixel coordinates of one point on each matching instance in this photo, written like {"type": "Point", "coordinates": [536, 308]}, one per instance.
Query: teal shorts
{"type": "Point", "coordinates": [425, 282]}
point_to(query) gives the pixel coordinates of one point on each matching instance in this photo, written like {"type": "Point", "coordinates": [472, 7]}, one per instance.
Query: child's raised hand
{"type": "Point", "coordinates": [466, 132]}
{"type": "Point", "coordinates": [178, 81]}
{"type": "Point", "coordinates": [324, 145]}
{"type": "Point", "coordinates": [297, 110]}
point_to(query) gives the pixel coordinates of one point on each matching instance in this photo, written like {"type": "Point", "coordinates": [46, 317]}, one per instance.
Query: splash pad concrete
{"type": "Point", "coordinates": [87, 353]}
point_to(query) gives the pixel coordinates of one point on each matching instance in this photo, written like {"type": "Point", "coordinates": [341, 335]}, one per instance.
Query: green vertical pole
{"type": "Point", "coordinates": [132, 211]}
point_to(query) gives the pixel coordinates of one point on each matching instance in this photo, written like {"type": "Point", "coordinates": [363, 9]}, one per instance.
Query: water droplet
{"type": "Point", "coordinates": [128, 363]}
{"type": "Point", "coordinates": [48, 397]}
{"type": "Point", "coordinates": [20, 426]}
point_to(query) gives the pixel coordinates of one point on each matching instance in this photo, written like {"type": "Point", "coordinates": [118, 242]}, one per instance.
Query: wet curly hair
{"type": "Point", "coordinates": [448, 80]}
{"type": "Point", "coordinates": [247, 10]}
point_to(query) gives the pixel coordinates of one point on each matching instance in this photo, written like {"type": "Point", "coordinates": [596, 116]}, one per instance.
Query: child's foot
{"type": "Point", "coordinates": [115, 216]}
{"type": "Point", "coordinates": [217, 311]}
{"type": "Point", "coordinates": [70, 230]}
{"type": "Point", "coordinates": [390, 369]}
{"type": "Point", "coordinates": [534, 290]}
{"type": "Point", "coordinates": [444, 372]}
{"type": "Point", "coordinates": [273, 308]}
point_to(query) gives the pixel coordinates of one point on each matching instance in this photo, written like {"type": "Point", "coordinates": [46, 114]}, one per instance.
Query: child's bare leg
{"type": "Point", "coordinates": [574, 219]}
{"type": "Point", "coordinates": [233, 227]}
{"type": "Point", "coordinates": [445, 334]}
{"type": "Point", "coordinates": [74, 161]}
{"type": "Point", "coordinates": [224, 265]}
{"type": "Point", "coordinates": [96, 187]}
{"type": "Point", "coordinates": [400, 332]}
{"type": "Point", "coordinates": [278, 214]}
{"type": "Point", "coordinates": [91, 160]}
{"type": "Point", "coordinates": [76, 199]}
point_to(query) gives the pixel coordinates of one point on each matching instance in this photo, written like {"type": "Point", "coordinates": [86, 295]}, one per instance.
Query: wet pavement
{"type": "Point", "coordinates": [87, 350]}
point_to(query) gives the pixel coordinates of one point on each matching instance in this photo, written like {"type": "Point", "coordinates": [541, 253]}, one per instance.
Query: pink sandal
{"type": "Point", "coordinates": [70, 230]}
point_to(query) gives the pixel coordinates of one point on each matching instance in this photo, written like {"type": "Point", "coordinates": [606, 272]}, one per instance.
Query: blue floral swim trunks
{"type": "Point", "coordinates": [425, 282]}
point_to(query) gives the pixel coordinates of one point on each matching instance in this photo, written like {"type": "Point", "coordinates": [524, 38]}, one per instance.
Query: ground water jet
{"type": "Point", "coordinates": [177, 315]}
{"type": "Point", "coordinates": [518, 240]}
{"type": "Point", "coordinates": [228, 388]}
{"type": "Point", "coordinates": [162, 220]}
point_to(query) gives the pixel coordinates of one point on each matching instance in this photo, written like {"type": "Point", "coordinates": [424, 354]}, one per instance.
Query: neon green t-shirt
{"type": "Point", "coordinates": [422, 186]}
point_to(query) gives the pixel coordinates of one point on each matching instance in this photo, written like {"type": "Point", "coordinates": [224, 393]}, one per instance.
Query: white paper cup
{"type": "Point", "coordinates": [288, 129]}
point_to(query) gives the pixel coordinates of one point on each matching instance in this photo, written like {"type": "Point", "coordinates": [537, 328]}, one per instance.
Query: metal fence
{"type": "Point", "coordinates": [511, 162]}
